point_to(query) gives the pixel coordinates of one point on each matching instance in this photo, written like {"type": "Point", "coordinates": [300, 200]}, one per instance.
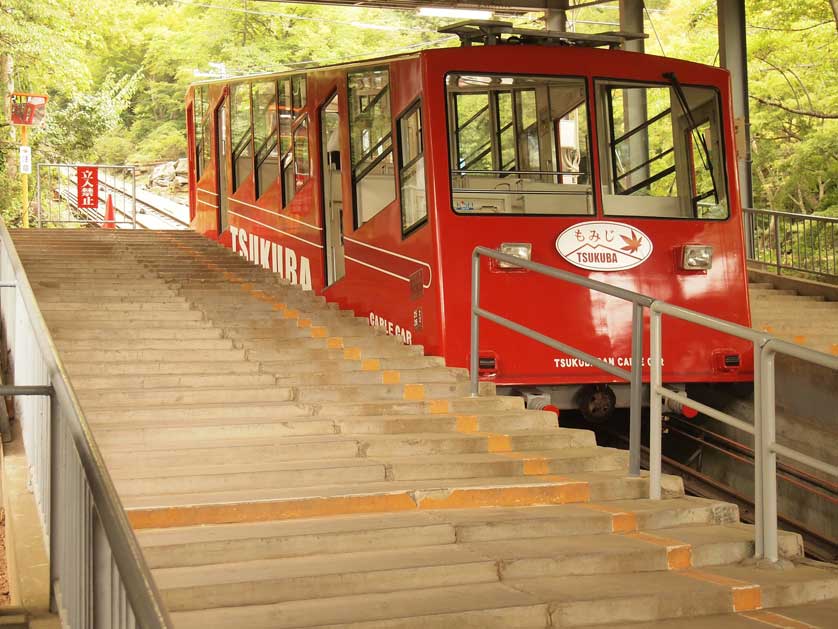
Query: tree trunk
{"type": "Point", "coordinates": [7, 86]}
{"type": "Point", "coordinates": [834, 4]}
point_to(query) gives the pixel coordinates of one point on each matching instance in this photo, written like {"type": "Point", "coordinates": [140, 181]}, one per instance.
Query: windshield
{"type": "Point", "coordinates": [661, 151]}
{"type": "Point", "coordinates": [519, 145]}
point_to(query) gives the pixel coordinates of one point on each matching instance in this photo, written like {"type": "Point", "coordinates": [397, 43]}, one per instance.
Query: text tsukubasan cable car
{"type": "Point", "coordinates": [373, 182]}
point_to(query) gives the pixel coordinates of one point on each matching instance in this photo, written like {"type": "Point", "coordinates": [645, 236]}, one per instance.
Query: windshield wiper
{"type": "Point", "coordinates": [704, 154]}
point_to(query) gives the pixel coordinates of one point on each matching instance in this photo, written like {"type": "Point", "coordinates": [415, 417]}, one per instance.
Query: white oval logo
{"type": "Point", "coordinates": [604, 246]}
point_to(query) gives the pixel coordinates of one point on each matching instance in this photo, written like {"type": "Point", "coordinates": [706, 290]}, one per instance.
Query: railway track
{"type": "Point", "coordinates": [148, 215]}
{"type": "Point", "coordinates": [817, 546]}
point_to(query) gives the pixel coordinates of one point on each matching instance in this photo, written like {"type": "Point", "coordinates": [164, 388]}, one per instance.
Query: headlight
{"type": "Point", "coordinates": [697, 258]}
{"type": "Point", "coordinates": [521, 250]}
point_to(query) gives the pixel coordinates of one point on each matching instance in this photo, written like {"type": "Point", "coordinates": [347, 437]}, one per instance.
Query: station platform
{"type": "Point", "coordinates": [283, 464]}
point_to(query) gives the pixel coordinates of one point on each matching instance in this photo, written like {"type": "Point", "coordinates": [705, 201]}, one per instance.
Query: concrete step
{"type": "Point", "coordinates": [152, 355]}
{"type": "Point", "coordinates": [139, 481]}
{"type": "Point", "coordinates": [573, 601]}
{"type": "Point", "coordinates": [121, 308]}
{"type": "Point", "coordinates": [118, 343]}
{"type": "Point", "coordinates": [203, 451]}
{"type": "Point", "coordinates": [362, 363]}
{"type": "Point", "coordinates": [106, 382]}
{"type": "Point", "coordinates": [444, 374]}
{"type": "Point", "coordinates": [87, 368]}
{"type": "Point", "coordinates": [116, 399]}
{"type": "Point", "coordinates": [134, 317]}
{"type": "Point", "coordinates": [267, 581]}
{"type": "Point", "coordinates": [247, 505]}
{"type": "Point", "coordinates": [200, 545]}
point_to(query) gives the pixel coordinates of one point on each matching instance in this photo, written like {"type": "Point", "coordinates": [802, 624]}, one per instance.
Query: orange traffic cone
{"type": "Point", "coordinates": [110, 220]}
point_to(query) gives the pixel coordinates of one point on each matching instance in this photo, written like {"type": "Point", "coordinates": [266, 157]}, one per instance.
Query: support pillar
{"type": "Point", "coordinates": [634, 101]}
{"type": "Point", "coordinates": [734, 57]}
{"type": "Point", "coordinates": [555, 17]}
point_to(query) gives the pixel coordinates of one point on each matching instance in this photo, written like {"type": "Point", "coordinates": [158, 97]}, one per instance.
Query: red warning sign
{"type": "Point", "coordinates": [88, 186]}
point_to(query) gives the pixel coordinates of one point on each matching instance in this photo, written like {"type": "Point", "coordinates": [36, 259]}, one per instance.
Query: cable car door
{"type": "Point", "coordinates": [330, 176]}
{"type": "Point", "coordinates": [221, 152]}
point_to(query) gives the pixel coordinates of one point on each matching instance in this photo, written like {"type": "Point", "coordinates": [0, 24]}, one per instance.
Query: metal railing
{"type": "Point", "coordinates": [766, 347]}
{"type": "Point", "coordinates": [98, 574]}
{"type": "Point", "coordinates": [793, 242]}
{"type": "Point", "coordinates": [57, 195]}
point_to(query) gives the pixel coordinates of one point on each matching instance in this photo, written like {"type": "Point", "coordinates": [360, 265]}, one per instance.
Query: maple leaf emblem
{"type": "Point", "coordinates": [633, 243]}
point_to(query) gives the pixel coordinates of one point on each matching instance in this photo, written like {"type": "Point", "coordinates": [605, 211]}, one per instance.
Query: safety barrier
{"type": "Point", "coordinates": [98, 573]}
{"type": "Point", "coordinates": [59, 204]}
{"type": "Point", "coordinates": [793, 242]}
{"type": "Point", "coordinates": [765, 345]}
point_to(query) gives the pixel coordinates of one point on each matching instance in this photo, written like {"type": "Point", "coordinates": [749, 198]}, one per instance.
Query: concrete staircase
{"type": "Point", "coordinates": [286, 465]}
{"type": "Point", "coordinates": [806, 320]}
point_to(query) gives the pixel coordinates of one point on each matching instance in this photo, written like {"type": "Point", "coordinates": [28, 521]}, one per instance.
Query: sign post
{"type": "Point", "coordinates": [27, 110]}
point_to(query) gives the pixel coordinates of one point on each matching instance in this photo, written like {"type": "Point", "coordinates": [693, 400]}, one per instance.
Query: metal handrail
{"type": "Point", "coordinates": [145, 600]}
{"type": "Point", "coordinates": [766, 447]}
{"type": "Point", "coordinates": [801, 242]}
{"type": "Point", "coordinates": [638, 301]}
{"type": "Point", "coordinates": [765, 345]}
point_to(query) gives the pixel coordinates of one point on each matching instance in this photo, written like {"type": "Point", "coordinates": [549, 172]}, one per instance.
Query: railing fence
{"type": "Point", "coordinates": [793, 242]}
{"type": "Point", "coordinates": [57, 199]}
{"type": "Point", "coordinates": [766, 347]}
{"type": "Point", "coordinates": [98, 574]}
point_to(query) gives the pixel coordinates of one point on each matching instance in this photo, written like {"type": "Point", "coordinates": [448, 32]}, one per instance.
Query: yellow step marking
{"type": "Point", "coordinates": [621, 521]}
{"type": "Point", "coordinates": [679, 556]}
{"type": "Point", "coordinates": [768, 328]}
{"type": "Point", "coordinates": [303, 323]}
{"type": "Point", "coordinates": [370, 364]}
{"type": "Point", "coordinates": [352, 353]}
{"type": "Point", "coordinates": [247, 286]}
{"type": "Point", "coordinates": [439, 407]}
{"type": "Point", "coordinates": [291, 314]}
{"type": "Point", "coordinates": [334, 342]}
{"type": "Point", "coordinates": [834, 349]}
{"type": "Point", "coordinates": [278, 306]}
{"type": "Point", "coordinates": [414, 392]}
{"type": "Point", "coordinates": [391, 377]}
{"type": "Point", "coordinates": [319, 332]}
{"type": "Point", "coordinates": [746, 596]}
{"type": "Point", "coordinates": [266, 510]}
{"type": "Point", "coordinates": [511, 496]}
{"type": "Point", "coordinates": [498, 443]}
{"type": "Point", "coordinates": [467, 423]}
{"type": "Point", "coordinates": [536, 467]}
{"type": "Point", "coordinates": [774, 619]}
{"type": "Point", "coordinates": [799, 339]}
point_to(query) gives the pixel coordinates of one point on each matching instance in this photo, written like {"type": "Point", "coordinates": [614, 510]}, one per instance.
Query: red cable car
{"type": "Point", "coordinates": [372, 183]}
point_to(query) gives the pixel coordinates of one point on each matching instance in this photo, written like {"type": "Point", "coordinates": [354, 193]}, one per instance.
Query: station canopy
{"type": "Point", "coordinates": [508, 7]}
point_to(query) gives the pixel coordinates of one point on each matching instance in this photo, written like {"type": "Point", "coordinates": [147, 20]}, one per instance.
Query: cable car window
{"type": "Point", "coordinates": [296, 168]}
{"type": "Point", "coordinates": [286, 116]}
{"type": "Point", "coordinates": [412, 170]}
{"type": "Point", "coordinates": [298, 88]}
{"type": "Point", "coordinates": [371, 143]}
{"type": "Point", "coordinates": [200, 124]}
{"type": "Point", "coordinates": [662, 153]}
{"type": "Point", "coordinates": [241, 127]}
{"type": "Point", "coordinates": [519, 145]}
{"type": "Point", "coordinates": [264, 135]}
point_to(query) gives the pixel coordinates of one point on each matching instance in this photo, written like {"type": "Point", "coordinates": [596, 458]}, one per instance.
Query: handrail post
{"type": "Point", "coordinates": [474, 358]}
{"type": "Point", "coordinates": [769, 458]}
{"type": "Point", "coordinates": [777, 220]}
{"type": "Point", "coordinates": [759, 529]}
{"type": "Point", "coordinates": [636, 389]}
{"type": "Point", "coordinates": [655, 416]}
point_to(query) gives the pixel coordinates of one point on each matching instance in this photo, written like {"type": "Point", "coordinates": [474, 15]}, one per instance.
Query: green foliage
{"type": "Point", "coordinates": [117, 71]}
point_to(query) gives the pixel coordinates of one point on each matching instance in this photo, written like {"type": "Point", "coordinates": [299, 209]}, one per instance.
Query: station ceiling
{"type": "Point", "coordinates": [502, 6]}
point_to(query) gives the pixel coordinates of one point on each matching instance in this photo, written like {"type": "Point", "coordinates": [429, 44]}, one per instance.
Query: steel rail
{"type": "Point", "coordinates": [133, 572]}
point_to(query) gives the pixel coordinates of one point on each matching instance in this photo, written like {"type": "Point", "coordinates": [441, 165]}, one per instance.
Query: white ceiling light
{"type": "Point", "coordinates": [463, 14]}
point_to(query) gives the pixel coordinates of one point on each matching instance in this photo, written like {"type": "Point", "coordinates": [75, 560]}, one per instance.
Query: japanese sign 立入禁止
{"type": "Point", "coordinates": [88, 186]}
